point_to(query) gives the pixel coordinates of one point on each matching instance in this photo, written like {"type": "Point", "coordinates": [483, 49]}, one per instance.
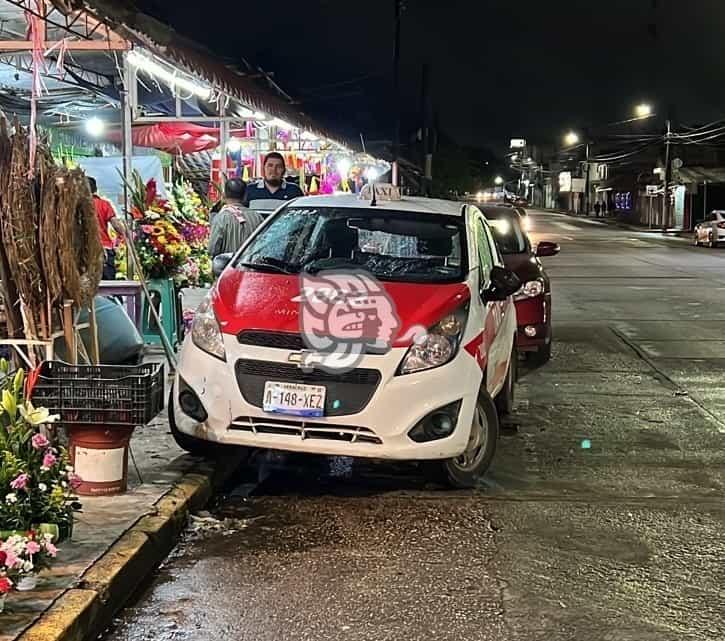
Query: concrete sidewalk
{"type": "Point", "coordinates": [117, 542]}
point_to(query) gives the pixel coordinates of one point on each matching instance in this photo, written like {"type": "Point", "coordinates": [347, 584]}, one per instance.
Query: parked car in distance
{"type": "Point", "coordinates": [711, 231]}
{"type": "Point", "coordinates": [533, 300]}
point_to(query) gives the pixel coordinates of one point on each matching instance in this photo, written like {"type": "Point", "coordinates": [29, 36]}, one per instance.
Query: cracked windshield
{"type": "Point", "coordinates": [374, 322]}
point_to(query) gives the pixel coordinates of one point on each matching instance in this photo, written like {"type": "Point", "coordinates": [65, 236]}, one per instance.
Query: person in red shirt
{"type": "Point", "coordinates": [106, 215]}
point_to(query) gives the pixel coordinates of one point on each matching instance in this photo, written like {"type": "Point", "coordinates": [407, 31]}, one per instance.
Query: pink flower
{"type": "Point", "coordinates": [49, 460]}
{"type": "Point", "coordinates": [20, 483]}
{"type": "Point", "coordinates": [11, 560]}
{"type": "Point", "coordinates": [39, 442]}
{"type": "Point", "coordinates": [51, 549]}
{"type": "Point", "coordinates": [32, 547]}
{"type": "Point", "coordinates": [5, 585]}
{"type": "Point", "coordinates": [74, 481]}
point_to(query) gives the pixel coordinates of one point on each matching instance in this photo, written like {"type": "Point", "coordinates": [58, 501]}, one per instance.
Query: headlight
{"type": "Point", "coordinates": [205, 331]}
{"type": "Point", "coordinates": [531, 289]}
{"type": "Point", "coordinates": [439, 346]}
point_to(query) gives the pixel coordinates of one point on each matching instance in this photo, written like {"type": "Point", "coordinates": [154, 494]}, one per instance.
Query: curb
{"type": "Point", "coordinates": [84, 611]}
{"type": "Point", "coordinates": [614, 222]}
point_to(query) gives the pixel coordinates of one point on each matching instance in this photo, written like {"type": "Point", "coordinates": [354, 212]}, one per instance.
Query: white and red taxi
{"type": "Point", "coordinates": [433, 397]}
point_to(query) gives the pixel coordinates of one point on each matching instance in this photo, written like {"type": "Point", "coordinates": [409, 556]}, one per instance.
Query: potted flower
{"type": "Point", "coordinates": [26, 555]}
{"type": "Point", "coordinates": [36, 481]}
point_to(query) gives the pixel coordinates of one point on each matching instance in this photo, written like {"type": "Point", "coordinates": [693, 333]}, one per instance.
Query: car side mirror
{"type": "Point", "coordinates": [219, 264]}
{"type": "Point", "coordinates": [546, 248]}
{"type": "Point", "coordinates": [504, 283]}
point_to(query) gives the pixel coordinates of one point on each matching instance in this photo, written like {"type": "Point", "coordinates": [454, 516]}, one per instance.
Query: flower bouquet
{"type": "Point", "coordinates": [36, 481]}
{"type": "Point", "coordinates": [24, 556]}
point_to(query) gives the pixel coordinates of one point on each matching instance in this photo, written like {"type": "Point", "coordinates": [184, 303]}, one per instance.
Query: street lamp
{"type": "Point", "coordinates": [571, 139]}
{"type": "Point", "coordinates": [498, 180]}
{"type": "Point", "coordinates": [643, 110]}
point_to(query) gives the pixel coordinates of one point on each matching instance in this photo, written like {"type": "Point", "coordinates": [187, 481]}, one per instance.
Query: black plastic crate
{"type": "Point", "coordinates": [123, 395]}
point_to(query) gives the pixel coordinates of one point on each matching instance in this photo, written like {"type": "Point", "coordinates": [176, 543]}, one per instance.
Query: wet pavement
{"type": "Point", "coordinates": [602, 517]}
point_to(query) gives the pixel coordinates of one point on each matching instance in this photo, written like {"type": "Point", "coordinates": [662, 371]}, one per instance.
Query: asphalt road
{"type": "Point", "coordinates": [602, 519]}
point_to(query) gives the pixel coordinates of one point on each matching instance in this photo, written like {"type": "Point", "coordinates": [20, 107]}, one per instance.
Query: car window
{"type": "Point", "coordinates": [485, 256]}
{"type": "Point", "coordinates": [393, 246]}
{"type": "Point", "coordinates": [508, 235]}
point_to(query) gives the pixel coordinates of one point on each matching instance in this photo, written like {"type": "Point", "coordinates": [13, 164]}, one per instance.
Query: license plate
{"type": "Point", "coordinates": [294, 399]}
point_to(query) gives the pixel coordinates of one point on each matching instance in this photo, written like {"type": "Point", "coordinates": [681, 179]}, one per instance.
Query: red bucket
{"type": "Point", "coordinates": [100, 458]}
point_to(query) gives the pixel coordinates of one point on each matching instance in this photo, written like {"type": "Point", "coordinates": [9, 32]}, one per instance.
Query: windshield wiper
{"type": "Point", "coordinates": [267, 263]}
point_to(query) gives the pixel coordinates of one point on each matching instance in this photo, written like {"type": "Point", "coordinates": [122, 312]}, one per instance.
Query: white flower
{"type": "Point", "coordinates": [44, 469]}
{"type": "Point", "coordinates": [28, 566]}
{"type": "Point", "coordinates": [42, 487]}
{"type": "Point", "coordinates": [69, 468]}
{"type": "Point", "coordinates": [63, 484]}
{"type": "Point", "coordinates": [11, 498]}
{"type": "Point", "coordinates": [37, 416]}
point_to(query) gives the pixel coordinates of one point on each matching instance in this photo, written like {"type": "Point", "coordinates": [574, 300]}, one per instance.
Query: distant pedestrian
{"type": "Point", "coordinates": [597, 208]}
{"type": "Point", "coordinates": [231, 227]}
{"type": "Point", "coordinates": [106, 214]}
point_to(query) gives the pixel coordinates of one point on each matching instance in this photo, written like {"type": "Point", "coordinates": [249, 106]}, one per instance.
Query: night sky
{"type": "Point", "coordinates": [500, 68]}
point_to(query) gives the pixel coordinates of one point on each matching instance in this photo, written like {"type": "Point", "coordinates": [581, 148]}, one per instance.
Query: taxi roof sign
{"type": "Point", "coordinates": [383, 191]}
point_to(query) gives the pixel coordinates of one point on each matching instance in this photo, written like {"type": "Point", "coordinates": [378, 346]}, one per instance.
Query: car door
{"type": "Point", "coordinates": [706, 228]}
{"type": "Point", "coordinates": [497, 318]}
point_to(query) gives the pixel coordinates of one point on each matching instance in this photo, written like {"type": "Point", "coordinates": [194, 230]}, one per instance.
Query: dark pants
{"type": "Point", "coordinates": [109, 265]}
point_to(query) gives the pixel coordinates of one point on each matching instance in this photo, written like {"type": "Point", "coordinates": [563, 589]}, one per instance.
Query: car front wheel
{"type": "Point", "coordinates": [466, 470]}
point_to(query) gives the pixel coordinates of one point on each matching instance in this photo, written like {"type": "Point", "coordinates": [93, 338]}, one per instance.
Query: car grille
{"type": "Point", "coordinates": [347, 393]}
{"type": "Point", "coordinates": [306, 430]}
{"type": "Point", "coordinates": [277, 340]}
{"type": "Point", "coordinates": [286, 340]}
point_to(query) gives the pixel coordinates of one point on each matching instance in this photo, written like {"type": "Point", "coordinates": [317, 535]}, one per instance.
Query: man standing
{"type": "Point", "coordinates": [273, 186]}
{"type": "Point", "coordinates": [231, 227]}
{"type": "Point", "coordinates": [106, 215]}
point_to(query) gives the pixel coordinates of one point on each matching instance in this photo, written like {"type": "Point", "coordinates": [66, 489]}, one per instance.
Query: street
{"type": "Point", "coordinates": [602, 517]}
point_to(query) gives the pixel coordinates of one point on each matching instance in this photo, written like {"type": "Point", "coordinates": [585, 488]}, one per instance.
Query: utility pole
{"type": "Point", "coordinates": [426, 122]}
{"type": "Point", "coordinates": [586, 180]}
{"type": "Point", "coordinates": [396, 88]}
{"type": "Point", "coordinates": [668, 176]}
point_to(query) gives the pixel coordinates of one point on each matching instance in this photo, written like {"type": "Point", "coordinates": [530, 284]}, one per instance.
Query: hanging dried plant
{"type": "Point", "coordinates": [89, 252]}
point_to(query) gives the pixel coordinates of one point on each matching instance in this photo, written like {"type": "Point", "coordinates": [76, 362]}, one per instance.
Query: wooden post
{"type": "Point", "coordinates": [69, 332]}
{"type": "Point", "coordinates": [93, 328]}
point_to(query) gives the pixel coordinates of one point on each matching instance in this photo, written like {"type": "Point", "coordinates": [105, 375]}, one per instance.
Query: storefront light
{"type": "Point", "coordinates": [371, 174]}
{"type": "Point", "coordinates": [344, 166]}
{"type": "Point", "coordinates": [282, 124]}
{"type": "Point", "coordinates": [172, 78]}
{"type": "Point", "coordinates": [95, 127]}
{"type": "Point", "coordinates": [234, 145]}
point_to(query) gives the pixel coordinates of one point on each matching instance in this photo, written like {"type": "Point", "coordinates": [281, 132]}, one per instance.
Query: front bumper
{"type": "Point", "coordinates": [378, 430]}
{"type": "Point", "coordinates": [534, 314]}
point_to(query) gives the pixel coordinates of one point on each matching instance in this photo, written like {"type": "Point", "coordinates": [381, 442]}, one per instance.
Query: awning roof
{"type": "Point", "coordinates": [159, 38]}
{"type": "Point", "coordinates": [702, 174]}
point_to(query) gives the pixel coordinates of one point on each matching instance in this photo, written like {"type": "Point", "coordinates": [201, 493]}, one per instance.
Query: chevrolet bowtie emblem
{"type": "Point", "coordinates": [306, 359]}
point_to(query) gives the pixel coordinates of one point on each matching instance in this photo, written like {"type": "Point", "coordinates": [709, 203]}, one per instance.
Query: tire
{"type": "Point", "coordinates": [190, 444]}
{"type": "Point", "coordinates": [505, 398]}
{"type": "Point", "coordinates": [464, 472]}
{"type": "Point", "coordinates": [541, 356]}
